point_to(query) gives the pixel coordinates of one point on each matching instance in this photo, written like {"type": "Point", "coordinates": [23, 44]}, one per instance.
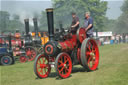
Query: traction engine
{"type": "Point", "coordinates": [73, 49]}
{"type": "Point", "coordinates": [31, 44]}
{"type": "Point", "coordinates": [6, 53]}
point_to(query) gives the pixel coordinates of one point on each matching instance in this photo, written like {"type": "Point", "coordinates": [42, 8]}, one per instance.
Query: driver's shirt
{"type": "Point", "coordinates": [74, 21]}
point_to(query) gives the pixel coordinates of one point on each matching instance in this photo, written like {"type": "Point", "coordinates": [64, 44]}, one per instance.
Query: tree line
{"type": "Point", "coordinates": [62, 12]}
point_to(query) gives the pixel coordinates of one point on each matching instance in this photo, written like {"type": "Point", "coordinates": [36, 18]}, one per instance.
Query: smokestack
{"type": "Point", "coordinates": [35, 26]}
{"type": "Point", "coordinates": [10, 44]}
{"type": "Point", "coordinates": [50, 23]}
{"type": "Point", "coordinates": [60, 24]}
{"type": "Point", "coordinates": [26, 21]}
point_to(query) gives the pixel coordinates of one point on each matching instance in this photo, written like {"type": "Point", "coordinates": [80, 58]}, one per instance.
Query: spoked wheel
{"type": "Point", "coordinates": [23, 59]}
{"type": "Point", "coordinates": [63, 65]}
{"type": "Point", "coordinates": [89, 54]}
{"type": "Point", "coordinates": [31, 53]}
{"type": "Point", "coordinates": [38, 46]}
{"type": "Point", "coordinates": [6, 59]}
{"type": "Point", "coordinates": [41, 66]}
{"type": "Point", "coordinates": [40, 50]}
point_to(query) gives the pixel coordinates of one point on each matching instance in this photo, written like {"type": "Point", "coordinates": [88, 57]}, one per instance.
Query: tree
{"type": "Point", "coordinates": [64, 8]}
{"type": "Point", "coordinates": [122, 21]}
{"type": "Point", "coordinates": [15, 23]}
{"type": "Point", "coordinates": [4, 20]}
{"type": "Point", "coordinates": [43, 21]}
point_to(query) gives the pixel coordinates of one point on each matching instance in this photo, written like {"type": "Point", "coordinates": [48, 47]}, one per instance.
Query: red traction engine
{"type": "Point", "coordinates": [25, 47]}
{"type": "Point", "coordinates": [18, 47]}
{"type": "Point", "coordinates": [74, 49]}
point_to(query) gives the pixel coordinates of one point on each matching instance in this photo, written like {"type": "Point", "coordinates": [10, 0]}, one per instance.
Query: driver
{"type": "Point", "coordinates": [75, 23]}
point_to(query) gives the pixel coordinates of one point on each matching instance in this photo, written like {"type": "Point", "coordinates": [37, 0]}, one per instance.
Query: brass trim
{"type": "Point", "coordinates": [49, 10]}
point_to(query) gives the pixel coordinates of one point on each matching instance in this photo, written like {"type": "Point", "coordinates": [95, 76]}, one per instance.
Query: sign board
{"type": "Point", "coordinates": [102, 34]}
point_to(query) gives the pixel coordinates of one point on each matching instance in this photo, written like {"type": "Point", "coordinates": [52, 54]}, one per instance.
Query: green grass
{"type": "Point", "coordinates": [113, 70]}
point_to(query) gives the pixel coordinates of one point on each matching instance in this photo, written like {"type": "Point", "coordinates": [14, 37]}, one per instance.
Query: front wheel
{"type": "Point", "coordinates": [41, 66]}
{"type": "Point", "coordinates": [63, 65]}
{"type": "Point", "coordinates": [6, 59]}
{"type": "Point", "coordinates": [23, 59]}
{"type": "Point", "coordinates": [30, 53]}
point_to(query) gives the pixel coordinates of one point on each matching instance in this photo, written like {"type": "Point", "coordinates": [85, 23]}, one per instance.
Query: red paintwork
{"type": "Point", "coordinates": [16, 42]}
{"type": "Point", "coordinates": [68, 44]}
{"type": "Point", "coordinates": [1, 41]}
{"type": "Point", "coordinates": [81, 35]}
{"type": "Point", "coordinates": [78, 55]}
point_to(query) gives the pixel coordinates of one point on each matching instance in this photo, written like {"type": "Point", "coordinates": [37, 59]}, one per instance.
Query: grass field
{"type": "Point", "coordinates": [113, 70]}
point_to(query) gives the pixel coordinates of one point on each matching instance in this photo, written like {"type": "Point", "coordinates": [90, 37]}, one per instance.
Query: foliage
{"type": "Point", "coordinates": [4, 20]}
{"type": "Point", "coordinates": [8, 24]}
{"type": "Point", "coordinates": [122, 21]}
{"type": "Point", "coordinates": [64, 8]}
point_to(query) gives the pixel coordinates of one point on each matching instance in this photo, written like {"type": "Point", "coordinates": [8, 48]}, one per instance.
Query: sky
{"type": "Point", "coordinates": [25, 9]}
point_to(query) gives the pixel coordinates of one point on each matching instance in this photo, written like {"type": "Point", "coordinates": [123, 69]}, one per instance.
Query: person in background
{"type": "Point", "coordinates": [75, 23]}
{"type": "Point", "coordinates": [88, 24]}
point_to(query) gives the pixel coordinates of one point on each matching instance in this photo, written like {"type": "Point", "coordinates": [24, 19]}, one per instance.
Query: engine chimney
{"type": "Point", "coordinates": [50, 23]}
{"type": "Point", "coordinates": [26, 21]}
{"type": "Point", "coordinates": [60, 24]}
{"type": "Point", "coordinates": [10, 44]}
{"type": "Point", "coordinates": [36, 26]}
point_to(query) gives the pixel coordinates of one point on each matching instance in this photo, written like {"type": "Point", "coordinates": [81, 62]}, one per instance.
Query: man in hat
{"type": "Point", "coordinates": [75, 23]}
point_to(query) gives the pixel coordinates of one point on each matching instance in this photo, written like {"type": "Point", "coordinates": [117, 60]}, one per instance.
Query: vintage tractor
{"type": "Point", "coordinates": [31, 43]}
{"type": "Point", "coordinates": [6, 53]}
{"type": "Point", "coordinates": [24, 47]}
{"type": "Point", "coordinates": [40, 36]}
{"type": "Point", "coordinates": [73, 49]}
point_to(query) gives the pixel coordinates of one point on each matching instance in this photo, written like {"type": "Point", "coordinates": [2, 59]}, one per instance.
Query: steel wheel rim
{"type": "Point", "coordinates": [42, 66]}
{"type": "Point", "coordinates": [30, 52]}
{"type": "Point", "coordinates": [92, 54]}
{"type": "Point", "coordinates": [64, 65]}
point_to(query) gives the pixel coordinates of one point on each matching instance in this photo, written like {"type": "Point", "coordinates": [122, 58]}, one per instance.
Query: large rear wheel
{"type": "Point", "coordinates": [41, 66]}
{"type": "Point", "coordinates": [63, 65]}
{"type": "Point", "coordinates": [89, 54]}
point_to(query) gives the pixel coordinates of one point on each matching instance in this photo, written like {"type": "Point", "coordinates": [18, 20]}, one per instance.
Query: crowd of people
{"type": "Point", "coordinates": [114, 39]}
{"type": "Point", "coordinates": [120, 38]}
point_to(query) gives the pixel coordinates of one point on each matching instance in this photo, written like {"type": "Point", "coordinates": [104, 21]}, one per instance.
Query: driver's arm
{"type": "Point", "coordinates": [77, 23]}
{"type": "Point", "coordinates": [89, 26]}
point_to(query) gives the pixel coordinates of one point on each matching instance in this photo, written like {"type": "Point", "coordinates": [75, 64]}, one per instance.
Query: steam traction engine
{"type": "Point", "coordinates": [6, 53]}
{"type": "Point", "coordinates": [25, 47]}
{"type": "Point", "coordinates": [30, 43]}
{"type": "Point", "coordinates": [74, 49]}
